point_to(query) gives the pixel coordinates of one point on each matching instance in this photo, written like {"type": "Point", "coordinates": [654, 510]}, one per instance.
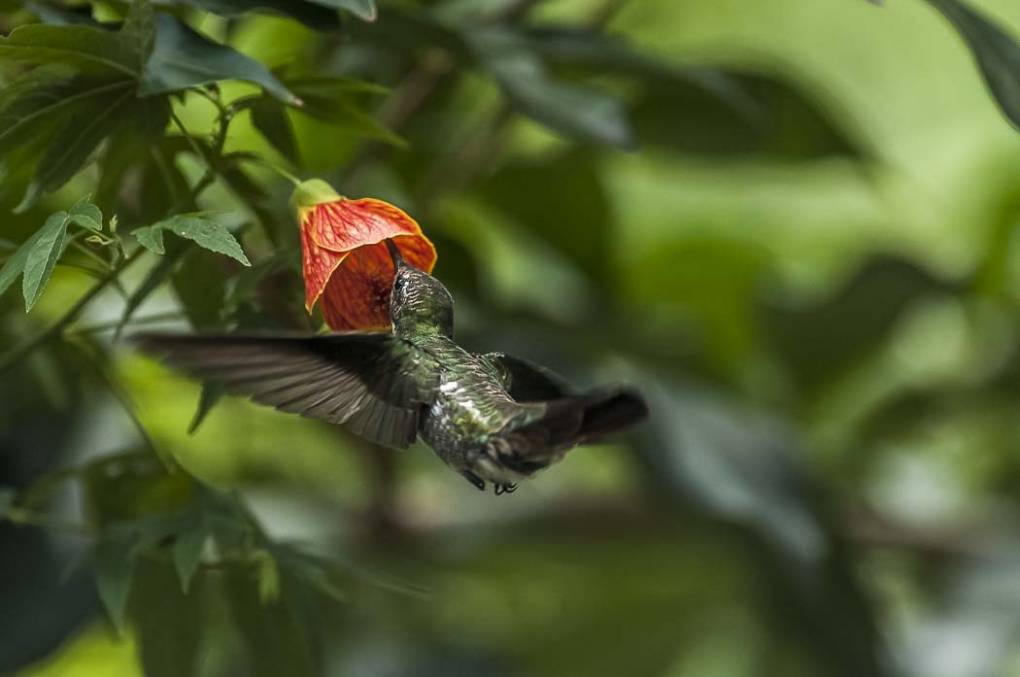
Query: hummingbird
{"type": "Point", "coordinates": [491, 417]}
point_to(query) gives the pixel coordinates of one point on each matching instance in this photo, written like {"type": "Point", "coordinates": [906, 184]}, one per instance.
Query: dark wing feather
{"type": "Point", "coordinates": [526, 381]}
{"type": "Point", "coordinates": [373, 384]}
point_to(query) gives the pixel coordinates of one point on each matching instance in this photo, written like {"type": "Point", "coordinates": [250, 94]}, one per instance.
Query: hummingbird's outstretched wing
{"type": "Point", "coordinates": [527, 381]}
{"type": "Point", "coordinates": [372, 384]}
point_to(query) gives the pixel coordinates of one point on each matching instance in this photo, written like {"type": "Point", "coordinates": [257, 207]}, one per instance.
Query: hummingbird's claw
{"type": "Point", "coordinates": [474, 479]}
{"type": "Point", "coordinates": [506, 488]}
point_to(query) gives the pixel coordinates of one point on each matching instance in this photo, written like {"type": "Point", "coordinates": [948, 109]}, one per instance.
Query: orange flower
{"type": "Point", "coordinates": [344, 258]}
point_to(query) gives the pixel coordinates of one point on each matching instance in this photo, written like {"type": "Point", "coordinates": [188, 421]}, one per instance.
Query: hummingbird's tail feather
{"type": "Point", "coordinates": [566, 423]}
{"type": "Point", "coordinates": [573, 420]}
{"type": "Point", "coordinates": [613, 412]}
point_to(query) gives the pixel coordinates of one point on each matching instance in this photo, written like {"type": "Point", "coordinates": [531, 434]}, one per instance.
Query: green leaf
{"type": "Point", "coordinates": [187, 551]}
{"type": "Point", "coordinates": [573, 110]}
{"type": "Point", "coordinates": [139, 30]}
{"type": "Point", "coordinates": [42, 257]}
{"type": "Point", "coordinates": [183, 58]}
{"type": "Point", "coordinates": [703, 110]}
{"type": "Point", "coordinates": [735, 114]}
{"type": "Point", "coordinates": [996, 52]}
{"type": "Point", "coordinates": [37, 104]}
{"type": "Point", "coordinates": [150, 237]}
{"type": "Point", "coordinates": [115, 560]}
{"type": "Point", "coordinates": [206, 234]}
{"type": "Point", "coordinates": [87, 215]}
{"type": "Point", "coordinates": [270, 118]}
{"type": "Point", "coordinates": [83, 47]}
{"type": "Point", "coordinates": [201, 286]}
{"type": "Point", "coordinates": [86, 126]}
{"type": "Point", "coordinates": [15, 264]}
{"type": "Point", "coordinates": [336, 101]}
{"type": "Point", "coordinates": [211, 394]}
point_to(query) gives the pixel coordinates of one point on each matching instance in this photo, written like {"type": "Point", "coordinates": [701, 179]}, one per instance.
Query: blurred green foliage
{"type": "Point", "coordinates": [791, 224]}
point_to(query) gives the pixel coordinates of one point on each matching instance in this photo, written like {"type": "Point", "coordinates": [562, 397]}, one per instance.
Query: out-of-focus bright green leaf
{"type": "Point", "coordinates": [86, 215]}
{"type": "Point", "coordinates": [574, 110]}
{"type": "Point", "coordinates": [204, 232]}
{"type": "Point", "coordinates": [820, 341]}
{"type": "Point", "coordinates": [997, 53]}
{"type": "Point", "coordinates": [183, 58]}
{"type": "Point", "coordinates": [42, 257]}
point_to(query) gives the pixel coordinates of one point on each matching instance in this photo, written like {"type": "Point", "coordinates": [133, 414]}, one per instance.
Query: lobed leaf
{"type": "Point", "coordinates": [207, 234]}
{"type": "Point", "coordinates": [87, 215]}
{"type": "Point", "coordinates": [70, 149]}
{"type": "Point", "coordinates": [85, 48]}
{"type": "Point", "coordinates": [15, 264]}
{"type": "Point", "coordinates": [150, 237]}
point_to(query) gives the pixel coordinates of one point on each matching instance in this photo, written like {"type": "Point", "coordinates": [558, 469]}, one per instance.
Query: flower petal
{"type": "Point", "coordinates": [343, 225]}
{"type": "Point", "coordinates": [358, 293]}
{"type": "Point", "coordinates": [317, 265]}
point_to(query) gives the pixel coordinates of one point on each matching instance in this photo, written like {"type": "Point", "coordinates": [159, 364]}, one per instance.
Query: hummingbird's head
{"type": "Point", "coordinates": [419, 303]}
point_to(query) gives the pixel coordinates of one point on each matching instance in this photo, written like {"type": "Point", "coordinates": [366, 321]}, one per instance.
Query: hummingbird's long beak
{"type": "Point", "coordinates": [398, 260]}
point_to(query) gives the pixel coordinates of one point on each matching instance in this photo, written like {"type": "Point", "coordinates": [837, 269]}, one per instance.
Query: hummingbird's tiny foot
{"type": "Point", "coordinates": [474, 479]}
{"type": "Point", "coordinates": [505, 488]}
